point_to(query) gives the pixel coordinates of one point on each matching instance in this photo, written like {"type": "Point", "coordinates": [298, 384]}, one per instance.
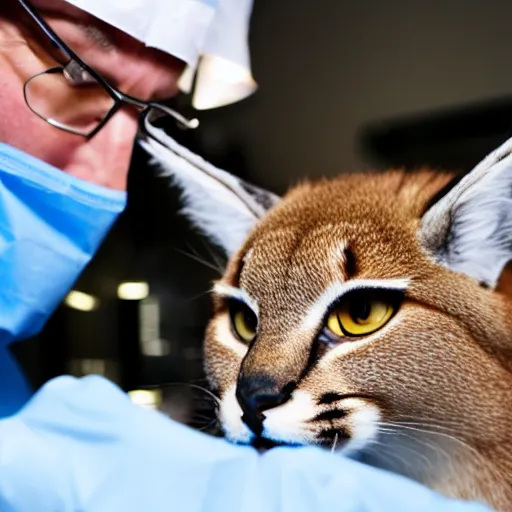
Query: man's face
{"type": "Point", "coordinates": [128, 65]}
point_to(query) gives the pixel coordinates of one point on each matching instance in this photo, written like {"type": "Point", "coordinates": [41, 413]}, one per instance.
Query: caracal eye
{"type": "Point", "coordinates": [359, 314]}
{"type": "Point", "coordinates": [243, 321]}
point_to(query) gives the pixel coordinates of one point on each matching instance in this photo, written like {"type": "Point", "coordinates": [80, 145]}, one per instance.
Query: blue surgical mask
{"type": "Point", "coordinates": [51, 224]}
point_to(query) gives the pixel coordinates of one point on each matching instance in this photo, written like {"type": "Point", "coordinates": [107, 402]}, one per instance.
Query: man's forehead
{"type": "Point", "coordinates": [96, 30]}
{"type": "Point", "coordinates": [142, 72]}
{"type": "Point", "coordinates": [210, 40]}
{"type": "Point", "coordinates": [60, 6]}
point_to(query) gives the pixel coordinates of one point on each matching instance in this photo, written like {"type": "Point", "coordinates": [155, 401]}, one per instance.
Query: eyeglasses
{"type": "Point", "coordinates": [76, 98]}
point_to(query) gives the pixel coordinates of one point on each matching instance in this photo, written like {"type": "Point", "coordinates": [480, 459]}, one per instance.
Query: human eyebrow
{"type": "Point", "coordinates": [97, 36]}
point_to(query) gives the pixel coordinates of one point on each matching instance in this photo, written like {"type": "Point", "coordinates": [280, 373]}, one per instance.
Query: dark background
{"type": "Point", "coordinates": [342, 86]}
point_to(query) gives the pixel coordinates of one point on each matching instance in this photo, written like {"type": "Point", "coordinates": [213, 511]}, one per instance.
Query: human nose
{"type": "Point", "coordinates": [110, 150]}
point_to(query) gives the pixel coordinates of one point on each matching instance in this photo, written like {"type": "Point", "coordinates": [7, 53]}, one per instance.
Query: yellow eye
{"type": "Point", "coordinates": [243, 321]}
{"type": "Point", "coordinates": [359, 315]}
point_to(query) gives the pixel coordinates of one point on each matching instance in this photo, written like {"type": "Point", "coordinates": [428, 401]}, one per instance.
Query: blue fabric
{"type": "Point", "coordinates": [14, 388]}
{"type": "Point", "coordinates": [50, 226]}
{"type": "Point", "coordinates": [80, 444]}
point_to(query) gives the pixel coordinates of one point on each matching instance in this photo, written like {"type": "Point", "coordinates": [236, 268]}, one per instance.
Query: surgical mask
{"type": "Point", "coordinates": [51, 224]}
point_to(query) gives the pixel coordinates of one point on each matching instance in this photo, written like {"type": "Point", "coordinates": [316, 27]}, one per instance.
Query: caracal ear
{"type": "Point", "coordinates": [222, 206]}
{"type": "Point", "coordinates": [468, 228]}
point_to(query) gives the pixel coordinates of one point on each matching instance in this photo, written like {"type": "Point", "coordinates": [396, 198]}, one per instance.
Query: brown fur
{"type": "Point", "coordinates": [440, 369]}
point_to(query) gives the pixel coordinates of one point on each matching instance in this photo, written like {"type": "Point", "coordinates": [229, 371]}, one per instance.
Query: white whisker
{"type": "Point", "coordinates": [219, 265]}
{"type": "Point", "coordinates": [194, 256]}
{"type": "Point", "coordinates": [335, 442]}
{"type": "Point", "coordinates": [435, 449]}
{"type": "Point", "coordinates": [427, 431]}
{"type": "Point", "coordinates": [380, 449]}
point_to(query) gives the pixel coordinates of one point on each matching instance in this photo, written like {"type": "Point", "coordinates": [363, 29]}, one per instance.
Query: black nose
{"type": "Point", "coordinates": [256, 394]}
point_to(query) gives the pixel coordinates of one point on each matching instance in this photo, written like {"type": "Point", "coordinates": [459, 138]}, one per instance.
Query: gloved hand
{"type": "Point", "coordinates": [81, 445]}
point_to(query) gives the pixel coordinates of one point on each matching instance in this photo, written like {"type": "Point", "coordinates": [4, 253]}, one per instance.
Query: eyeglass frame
{"type": "Point", "coordinates": [119, 98]}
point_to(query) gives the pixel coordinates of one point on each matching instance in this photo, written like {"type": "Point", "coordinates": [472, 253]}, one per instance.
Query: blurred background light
{"type": "Point", "coordinates": [149, 398]}
{"type": "Point", "coordinates": [149, 329]}
{"type": "Point", "coordinates": [81, 301]}
{"type": "Point", "coordinates": [106, 367]}
{"type": "Point", "coordinates": [133, 291]}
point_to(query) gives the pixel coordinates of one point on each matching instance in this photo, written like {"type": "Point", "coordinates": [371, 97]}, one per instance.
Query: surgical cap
{"type": "Point", "coordinates": [211, 36]}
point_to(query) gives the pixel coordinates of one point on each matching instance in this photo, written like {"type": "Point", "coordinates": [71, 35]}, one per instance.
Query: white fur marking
{"type": "Point", "coordinates": [225, 337]}
{"type": "Point", "coordinates": [346, 348]}
{"type": "Point", "coordinates": [231, 418]}
{"type": "Point", "coordinates": [227, 291]}
{"type": "Point", "coordinates": [248, 255]}
{"type": "Point", "coordinates": [337, 290]}
{"type": "Point", "coordinates": [363, 423]}
{"type": "Point", "coordinates": [286, 422]}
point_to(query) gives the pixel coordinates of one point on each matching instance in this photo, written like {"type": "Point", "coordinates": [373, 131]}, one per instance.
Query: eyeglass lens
{"type": "Point", "coordinates": [79, 108]}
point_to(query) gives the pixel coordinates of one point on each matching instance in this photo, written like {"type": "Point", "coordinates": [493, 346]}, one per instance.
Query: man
{"type": "Point", "coordinates": [70, 93]}
{"type": "Point", "coordinates": [142, 72]}
{"type": "Point", "coordinates": [54, 110]}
